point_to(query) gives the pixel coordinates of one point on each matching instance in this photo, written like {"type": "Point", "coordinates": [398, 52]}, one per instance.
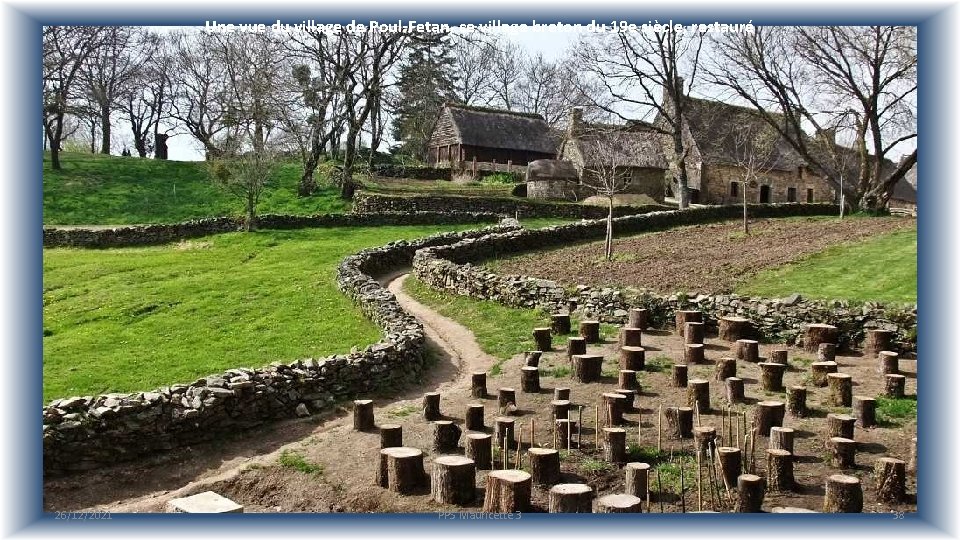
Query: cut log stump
{"type": "Point", "coordinates": [895, 386]}
{"type": "Point", "coordinates": [560, 408]}
{"type": "Point", "coordinates": [544, 466]}
{"type": "Point", "coordinates": [508, 491]}
{"type": "Point", "coordinates": [561, 393]}
{"type": "Point", "coordinates": [780, 470]}
{"type": "Point", "coordinates": [363, 415]}
{"type": "Point", "coordinates": [587, 368]}
{"type": "Point", "coordinates": [843, 452]}
{"type": "Point", "coordinates": [730, 459]}
{"type": "Point", "coordinates": [827, 352]}
{"type": "Point", "coordinates": [542, 338]}
{"type": "Point", "coordinates": [819, 372]}
{"type": "Point", "coordinates": [771, 376]}
{"type": "Point", "coordinates": [865, 411]}
{"type": "Point", "coordinates": [840, 425]}
{"type": "Point", "coordinates": [725, 368]}
{"type": "Point", "coordinates": [876, 340]}
{"type": "Point", "coordinates": [748, 350]}
{"type": "Point", "coordinates": [693, 353]}
{"type": "Point", "coordinates": [401, 470]}
{"type": "Point", "coordinates": [698, 394]}
{"type": "Point", "coordinates": [693, 333]}
{"type": "Point", "coordinates": [778, 356]}
{"type": "Point", "coordinates": [453, 480]}
{"type": "Point", "coordinates": [504, 429]}
{"type": "Point", "coordinates": [613, 408]}
{"type": "Point", "coordinates": [630, 337]}
{"type": "Point", "coordinates": [632, 358]}
{"type": "Point", "coordinates": [679, 421]}
{"type": "Point", "coordinates": [560, 324]}
{"type": "Point", "coordinates": [636, 480]}
{"type": "Point", "coordinates": [638, 318]}
{"type": "Point", "coordinates": [590, 331]}
{"type": "Point", "coordinates": [888, 362]}
{"type": "Point", "coordinates": [446, 437]}
{"type": "Point", "coordinates": [615, 445]}
{"type": "Point", "coordinates": [564, 433]}
{"type": "Point", "coordinates": [733, 328]}
{"type": "Point", "coordinates": [628, 379]}
{"type": "Point", "coordinates": [841, 389]}
{"type": "Point", "coordinates": [750, 491]}
{"type": "Point", "coordinates": [782, 438]}
{"type": "Point", "coordinates": [575, 346]}
{"type": "Point", "coordinates": [473, 420]}
{"type": "Point", "coordinates": [891, 478]}
{"type": "Point", "coordinates": [571, 499]}
{"type": "Point", "coordinates": [766, 415]}
{"type": "Point", "coordinates": [815, 334]}
{"type": "Point", "coordinates": [703, 436]}
{"type": "Point", "coordinates": [843, 494]}
{"type": "Point", "coordinates": [530, 380]}
{"type": "Point", "coordinates": [479, 448]}
{"type": "Point", "coordinates": [734, 388]}
{"type": "Point", "coordinates": [619, 503]}
{"type": "Point", "coordinates": [532, 358]}
{"type": "Point", "coordinates": [679, 379]}
{"type": "Point", "coordinates": [431, 406]}
{"type": "Point", "coordinates": [797, 401]}
{"type": "Point", "coordinates": [506, 400]}
{"type": "Point", "coordinates": [391, 435]}
{"type": "Point", "coordinates": [478, 384]}
{"type": "Point", "coordinates": [682, 317]}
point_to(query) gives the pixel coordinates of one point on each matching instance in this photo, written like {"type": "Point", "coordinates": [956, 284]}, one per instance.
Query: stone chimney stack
{"type": "Point", "coordinates": [574, 123]}
{"type": "Point", "coordinates": [829, 135]}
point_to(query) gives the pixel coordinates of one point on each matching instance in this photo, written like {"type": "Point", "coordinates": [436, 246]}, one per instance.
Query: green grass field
{"type": "Point", "coordinates": [883, 268]}
{"type": "Point", "coordinates": [136, 318]}
{"type": "Point", "coordinates": [109, 190]}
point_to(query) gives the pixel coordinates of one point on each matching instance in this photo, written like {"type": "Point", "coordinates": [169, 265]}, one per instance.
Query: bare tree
{"type": "Point", "coordinates": [473, 63]}
{"type": "Point", "coordinates": [754, 150]}
{"type": "Point", "coordinates": [65, 52]}
{"type": "Point", "coordinates": [644, 72]}
{"type": "Point", "coordinates": [802, 77]}
{"type": "Point", "coordinates": [507, 72]}
{"type": "Point", "coordinates": [199, 89]}
{"type": "Point", "coordinates": [147, 103]}
{"type": "Point", "coordinates": [244, 168]}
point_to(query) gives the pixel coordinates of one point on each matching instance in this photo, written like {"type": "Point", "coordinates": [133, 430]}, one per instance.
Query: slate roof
{"type": "Point", "coordinates": [634, 145]}
{"type": "Point", "coordinates": [906, 189]}
{"type": "Point", "coordinates": [498, 128]}
{"type": "Point", "coordinates": [551, 169]}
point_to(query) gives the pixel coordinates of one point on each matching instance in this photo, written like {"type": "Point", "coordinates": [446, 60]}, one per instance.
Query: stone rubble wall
{"type": "Point", "coordinates": [453, 268]}
{"type": "Point", "coordinates": [82, 433]}
{"type": "Point", "coordinates": [139, 235]}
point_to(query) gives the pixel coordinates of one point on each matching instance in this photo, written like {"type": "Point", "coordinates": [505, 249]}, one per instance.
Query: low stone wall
{"type": "Point", "coordinates": [365, 202]}
{"type": "Point", "coordinates": [451, 268]}
{"type": "Point", "coordinates": [139, 235]}
{"type": "Point", "coordinates": [82, 433]}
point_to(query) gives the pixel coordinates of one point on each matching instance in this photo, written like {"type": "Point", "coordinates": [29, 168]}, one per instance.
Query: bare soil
{"type": "Point", "coordinates": [247, 470]}
{"type": "Point", "coordinates": [709, 259]}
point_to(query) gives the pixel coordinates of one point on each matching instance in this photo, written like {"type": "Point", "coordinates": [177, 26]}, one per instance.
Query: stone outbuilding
{"type": "Point", "coordinates": [553, 179]}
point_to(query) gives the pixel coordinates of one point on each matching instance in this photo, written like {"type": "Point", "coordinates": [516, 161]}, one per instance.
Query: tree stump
{"type": "Point", "coordinates": [725, 368]}
{"type": "Point", "coordinates": [683, 317]}
{"type": "Point", "coordinates": [841, 389]}
{"type": "Point", "coordinates": [530, 380]}
{"type": "Point", "coordinates": [766, 415]}
{"type": "Point", "coordinates": [843, 452]}
{"type": "Point", "coordinates": [888, 362]}
{"type": "Point", "coordinates": [561, 408]}
{"type": "Point", "coordinates": [895, 386]}
{"type": "Point", "coordinates": [431, 406]}
{"type": "Point", "coordinates": [680, 422]}
{"type": "Point", "coordinates": [632, 358]}
{"type": "Point", "coordinates": [570, 499]}
{"type": "Point", "coordinates": [587, 367]}
{"type": "Point", "coordinates": [560, 323]}
{"type": "Point", "coordinates": [636, 481]}
{"type": "Point", "coordinates": [840, 425]}
{"type": "Point", "coordinates": [693, 333]}
{"type": "Point", "coordinates": [564, 433]}
{"type": "Point", "coordinates": [843, 494]}
{"type": "Point", "coordinates": [590, 331]}
{"type": "Point", "coordinates": [541, 336]}
{"type": "Point", "coordinates": [679, 379]}
{"type": "Point", "coordinates": [507, 492]}
{"type": "Point", "coordinates": [819, 372]}
{"type": "Point", "coordinates": [613, 407]}
{"type": "Point", "coordinates": [638, 318]}
{"type": "Point", "coordinates": [877, 340]}
{"type": "Point", "coordinates": [734, 328]}
{"type": "Point", "coordinates": [912, 464]}
{"type": "Point", "coordinates": [748, 350]}
{"type": "Point", "coordinates": [453, 480]}
{"type": "Point", "coordinates": [363, 415]}
{"type": "Point", "coordinates": [479, 448]}
{"type": "Point", "coordinates": [506, 400]}
{"type": "Point", "coordinates": [391, 435]}
{"type": "Point", "coordinates": [628, 379]}
{"type": "Point", "coordinates": [702, 437]}
{"type": "Point", "coordinates": [575, 346]}
{"type": "Point", "coordinates": [532, 358]}
{"type": "Point", "coordinates": [797, 401]}
{"type": "Point", "coordinates": [504, 428]}
{"type": "Point", "coordinates": [620, 503]}
{"type": "Point", "coordinates": [401, 470]}
{"type": "Point", "coordinates": [446, 436]}
{"type": "Point", "coordinates": [780, 470]}
{"type": "Point", "coordinates": [630, 337]}
{"type": "Point", "coordinates": [693, 353]}
{"type": "Point", "coordinates": [478, 384]}
{"type": "Point", "coordinates": [782, 438]}
{"type": "Point", "coordinates": [698, 393]}
{"type": "Point", "coordinates": [730, 465]}
{"type": "Point", "coordinates": [615, 445]}
{"type": "Point", "coordinates": [544, 466]}
{"type": "Point", "coordinates": [891, 476]}
{"type": "Point", "coordinates": [815, 334]}
{"type": "Point", "coordinates": [750, 488]}
{"type": "Point", "coordinates": [771, 376]}
{"type": "Point", "coordinates": [629, 396]}
{"type": "Point", "coordinates": [865, 411]}
{"type": "Point", "coordinates": [473, 420]}
{"type": "Point", "coordinates": [778, 356]}
{"type": "Point", "coordinates": [734, 388]}
{"type": "Point", "coordinates": [827, 352]}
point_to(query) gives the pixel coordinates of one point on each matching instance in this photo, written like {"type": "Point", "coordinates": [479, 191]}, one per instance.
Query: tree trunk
{"type": "Point", "coordinates": [391, 435]}
{"type": "Point", "coordinates": [446, 436]}
{"type": "Point", "coordinates": [453, 480]}
{"type": "Point", "coordinates": [609, 242]}
{"type": "Point", "coordinates": [619, 504]}
{"type": "Point", "coordinates": [843, 452]}
{"type": "Point", "coordinates": [401, 470]}
{"type": "Point", "coordinates": [750, 488]}
{"type": "Point", "coordinates": [507, 492]}
{"type": "Point", "coordinates": [615, 445]}
{"type": "Point", "coordinates": [479, 448]}
{"type": "Point", "coordinates": [105, 131]}
{"type": "Point", "coordinates": [780, 470]}
{"type": "Point", "coordinates": [363, 415]}
{"type": "Point", "coordinates": [544, 466]}
{"type": "Point", "coordinates": [630, 337]}
{"type": "Point", "coordinates": [636, 481]}
{"type": "Point", "coordinates": [506, 401]}
{"type": "Point", "coordinates": [891, 476]}
{"type": "Point", "coordinates": [843, 494]}
{"type": "Point", "coordinates": [251, 222]}
{"type": "Point", "coordinates": [571, 499]}
{"type": "Point", "coordinates": [819, 372]}
{"type": "Point", "coordinates": [431, 406]}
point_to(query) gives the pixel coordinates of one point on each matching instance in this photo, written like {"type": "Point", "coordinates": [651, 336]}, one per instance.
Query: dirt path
{"type": "Point", "coordinates": [147, 485]}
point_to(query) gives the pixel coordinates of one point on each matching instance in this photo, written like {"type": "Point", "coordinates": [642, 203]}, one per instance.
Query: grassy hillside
{"type": "Point", "coordinates": [108, 190]}
{"type": "Point", "coordinates": [883, 268]}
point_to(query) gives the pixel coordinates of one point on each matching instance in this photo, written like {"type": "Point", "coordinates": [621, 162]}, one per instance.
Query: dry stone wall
{"type": "Point", "coordinates": [452, 268]}
{"type": "Point", "coordinates": [82, 433]}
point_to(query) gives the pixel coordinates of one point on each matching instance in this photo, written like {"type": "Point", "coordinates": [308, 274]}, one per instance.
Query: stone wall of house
{"type": "Point", "coordinates": [365, 202]}
{"type": "Point", "coordinates": [82, 433]}
{"type": "Point", "coordinates": [717, 179]}
{"type": "Point", "coordinates": [139, 235]}
{"type": "Point", "coordinates": [453, 268]}
{"type": "Point", "coordinates": [553, 188]}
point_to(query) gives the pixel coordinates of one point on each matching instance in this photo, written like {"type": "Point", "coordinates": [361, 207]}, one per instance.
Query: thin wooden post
{"type": "Point", "coordinates": [596, 426]}
{"type": "Point", "coordinates": [660, 428]}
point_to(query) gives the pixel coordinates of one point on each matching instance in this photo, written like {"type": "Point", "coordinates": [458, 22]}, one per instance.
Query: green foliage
{"type": "Point", "coordinates": [501, 178]}
{"type": "Point", "coordinates": [883, 268]}
{"type": "Point", "coordinates": [404, 411]}
{"type": "Point", "coordinates": [669, 473]}
{"type": "Point", "coordinates": [109, 190]}
{"type": "Point", "coordinates": [594, 466]}
{"type": "Point", "coordinates": [425, 82]}
{"type": "Point", "coordinates": [658, 364]}
{"type": "Point", "coordinates": [557, 372]}
{"type": "Point", "coordinates": [890, 411]}
{"type": "Point", "coordinates": [290, 459]}
{"type": "Point", "coordinates": [645, 454]}
{"type": "Point", "coordinates": [132, 319]}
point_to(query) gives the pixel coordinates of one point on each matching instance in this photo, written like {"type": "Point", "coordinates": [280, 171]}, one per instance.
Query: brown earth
{"type": "Point", "coordinates": [709, 259]}
{"type": "Point", "coordinates": [247, 468]}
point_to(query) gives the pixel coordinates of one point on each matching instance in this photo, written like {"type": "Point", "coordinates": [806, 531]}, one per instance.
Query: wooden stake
{"type": "Point", "coordinates": [533, 432]}
{"type": "Point", "coordinates": [683, 496]}
{"type": "Point", "coordinates": [516, 462]}
{"type": "Point", "coordinates": [696, 410]}
{"type": "Point", "coordinates": [660, 428]}
{"type": "Point", "coordinates": [504, 451]}
{"type": "Point", "coordinates": [699, 488]}
{"type": "Point", "coordinates": [579, 425]}
{"type": "Point", "coordinates": [660, 491]}
{"type": "Point", "coordinates": [555, 434]}
{"type": "Point", "coordinates": [596, 425]}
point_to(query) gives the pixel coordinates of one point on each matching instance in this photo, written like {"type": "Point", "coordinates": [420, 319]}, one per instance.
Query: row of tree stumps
{"type": "Point", "coordinates": [725, 457]}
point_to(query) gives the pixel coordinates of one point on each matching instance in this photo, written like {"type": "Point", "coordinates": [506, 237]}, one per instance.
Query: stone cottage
{"type": "Point", "coordinates": [464, 134]}
{"type": "Point", "coordinates": [905, 192]}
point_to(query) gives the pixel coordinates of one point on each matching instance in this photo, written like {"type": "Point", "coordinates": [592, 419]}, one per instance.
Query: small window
{"type": "Point", "coordinates": [734, 189]}
{"type": "Point", "coordinates": [791, 194]}
{"type": "Point", "coordinates": [764, 193]}
{"type": "Point", "coordinates": [809, 195]}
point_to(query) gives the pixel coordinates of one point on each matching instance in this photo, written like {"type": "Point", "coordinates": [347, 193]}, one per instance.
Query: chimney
{"type": "Point", "coordinates": [575, 122]}
{"type": "Point", "coordinates": [829, 135]}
